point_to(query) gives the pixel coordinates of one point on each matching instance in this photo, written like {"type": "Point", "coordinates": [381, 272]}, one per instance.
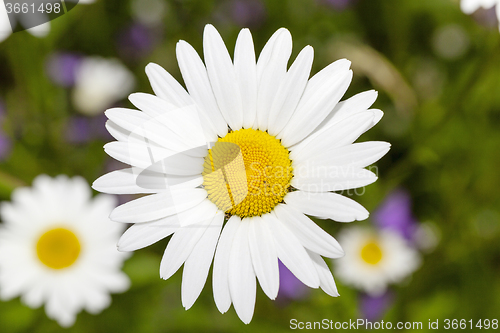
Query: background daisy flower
{"type": "Point", "coordinates": [251, 143]}
{"type": "Point", "coordinates": [57, 247]}
{"type": "Point", "coordinates": [374, 259]}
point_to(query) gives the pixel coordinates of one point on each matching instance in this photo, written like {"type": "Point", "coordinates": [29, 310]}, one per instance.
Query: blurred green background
{"type": "Point", "coordinates": [437, 71]}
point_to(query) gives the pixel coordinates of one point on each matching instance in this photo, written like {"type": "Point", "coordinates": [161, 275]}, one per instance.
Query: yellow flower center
{"type": "Point", "coordinates": [371, 253]}
{"type": "Point", "coordinates": [58, 248]}
{"type": "Point", "coordinates": [247, 173]}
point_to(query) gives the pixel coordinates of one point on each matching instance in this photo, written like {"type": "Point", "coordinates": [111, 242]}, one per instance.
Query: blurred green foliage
{"type": "Point", "coordinates": [442, 116]}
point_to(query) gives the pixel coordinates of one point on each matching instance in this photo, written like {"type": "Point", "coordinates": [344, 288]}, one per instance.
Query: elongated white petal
{"type": "Point", "coordinates": [246, 76]}
{"type": "Point", "coordinates": [122, 181]}
{"type": "Point", "coordinates": [195, 76]}
{"type": "Point", "coordinates": [141, 235]}
{"type": "Point", "coordinates": [291, 252]}
{"type": "Point", "coordinates": [156, 206]}
{"type": "Point", "coordinates": [197, 265]}
{"type": "Point", "coordinates": [220, 275]}
{"type": "Point", "coordinates": [321, 178]}
{"type": "Point", "coordinates": [166, 87]}
{"type": "Point", "coordinates": [271, 69]}
{"type": "Point", "coordinates": [357, 103]}
{"type": "Point", "coordinates": [290, 91]}
{"type": "Point", "coordinates": [322, 93]}
{"type": "Point", "coordinates": [222, 77]}
{"type": "Point", "coordinates": [184, 241]}
{"type": "Point", "coordinates": [327, 283]}
{"type": "Point", "coordinates": [327, 206]}
{"type": "Point", "coordinates": [145, 129]}
{"type": "Point", "coordinates": [264, 256]}
{"type": "Point", "coordinates": [134, 181]}
{"type": "Point", "coordinates": [183, 121]}
{"type": "Point", "coordinates": [154, 158]}
{"type": "Point", "coordinates": [335, 134]}
{"type": "Point", "coordinates": [241, 275]}
{"type": "Point", "coordinates": [357, 155]}
{"type": "Point", "coordinates": [310, 235]}
{"type": "Point", "coordinates": [117, 132]}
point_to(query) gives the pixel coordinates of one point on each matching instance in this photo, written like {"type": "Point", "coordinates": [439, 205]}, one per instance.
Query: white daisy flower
{"type": "Point", "coordinates": [279, 143]}
{"type": "Point", "coordinates": [470, 6]}
{"type": "Point", "coordinates": [99, 83]}
{"type": "Point", "coordinates": [374, 259]}
{"type": "Point", "coordinates": [58, 247]}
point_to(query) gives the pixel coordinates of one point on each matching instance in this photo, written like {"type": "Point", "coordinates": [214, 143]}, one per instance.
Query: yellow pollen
{"type": "Point", "coordinates": [58, 248]}
{"type": "Point", "coordinates": [247, 173]}
{"type": "Point", "coordinates": [371, 253]}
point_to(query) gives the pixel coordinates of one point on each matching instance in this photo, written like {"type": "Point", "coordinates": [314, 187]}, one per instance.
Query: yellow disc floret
{"type": "Point", "coordinates": [58, 248]}
{"type": "Point", "coordinates": [371, 253]}
{"type": "Point", "coordinates": [247, 173]}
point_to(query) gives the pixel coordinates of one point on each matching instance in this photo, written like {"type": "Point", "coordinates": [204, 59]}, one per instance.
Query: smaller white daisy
{"type": "Point", "coordinates": [99, 83]}
{"type": "Point", "coordinates": [374, 259]}
{"type": "Point", "coordinates": [58, 248]}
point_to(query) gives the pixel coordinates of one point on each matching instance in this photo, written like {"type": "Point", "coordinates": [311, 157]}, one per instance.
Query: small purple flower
{"type": "Point", "coordinates": [338, 4]}
{"type": "Point", "coordinates": [290, 286]}
{"type": "Point", "coordinates": [249, 13]}
{"type": "Point", "coordinates": [61, 68]}
{"type": "Point", "coordinates": [137, 40]}
{"type": "Point", "coordinates": [395, 214]}
{"type": "Point", "coordinates": [5, 146]}
{"type": "Point", "coordinates": [82, 129]}
{"type": "Point", "coordinates": [373, 308]}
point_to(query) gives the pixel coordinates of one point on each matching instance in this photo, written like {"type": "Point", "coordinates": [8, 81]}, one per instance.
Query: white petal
{"type": "Point", "coordinates": [241, 276]}
{"type": "Point", "coordinates": [335, 134]}
{"type": "Point", "coordinates": [147, 130]}
{"type": "Point", "coordinates": [184, 240]}
{"type": "Point", "coordinates": [357, 155]}
{"type": "Point", "coordinates": [290, 91]}
{"type": "Point", "coordinates": [117, 132]}
{"type": "Point", "coordinates": [291, 252]}
{"type": "Point", "coordinates": [134, 181]}
{"type": "Point", "coordinates": [195, 76]}
{"type": "Point", "coordinates": [198, 263]}
{"type": "Point", "coordinates": [326, 206]}
{"type": "Point", "coordinates": [183, 121]}
{"type": "Point", "coordinates": [271, 69]}
{"type": "Point", "coordinates": [166, 87]}
{"type": "Point", "coordinates": [327, 283]}
{"type": "Point", "coordinates": [264, 257]}
{"type": "Point", "coordinates": [357, 103]}
{"type": "Point", "coordinates": [321, 178]}
{"type": "Point", "coordinates": [222, 77]}
{"type": "Point", "coordinates": [309, 233]}
{"type": "Point", "coordinates": [154, 159]}
{"type": "Point", "coordinates": [220, 284]}
{"type": "Point", "coordinates": [246, 75]}
{"type": "Point", "coordinates": [141, 235]}
{"type": "Point", "coordinates": [322, 93]}
{"type": "Point", "coordinates": [156, 206]}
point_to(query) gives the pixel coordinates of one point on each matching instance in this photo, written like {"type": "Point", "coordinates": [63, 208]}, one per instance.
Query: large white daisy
{"type": "Point", "coordinates": [374, 259]}
{"type": "Point", "coordinates": [58, 247]}
{"type": "Point", "coordinates": [252, 144]}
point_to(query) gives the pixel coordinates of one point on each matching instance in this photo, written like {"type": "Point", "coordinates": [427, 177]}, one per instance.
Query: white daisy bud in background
{"type": "Point", "coordinates": [470, 6]}
{"type": "Point", "coordinates": [278, 144]}
{"type": "Point", "coordinates": [58, 248]}
{"type": "Point", "coordinates": [99, 83]}
{"type": "Point", "coordinates": [374, 259]}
